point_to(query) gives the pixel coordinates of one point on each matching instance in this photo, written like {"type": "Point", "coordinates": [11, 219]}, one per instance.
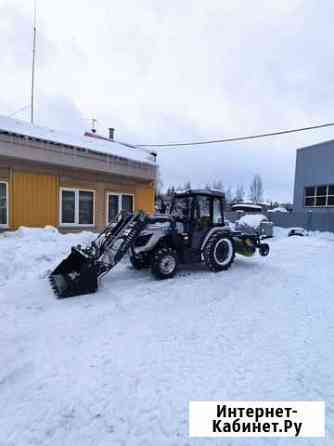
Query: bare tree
{"type": "Point", "coordinates": [256, 189]}
{"type": "Point", "coordinates": [218, 185]}
{"type": "Point", "coordinates": [228, 195]}
{"type": "Point", "coordinates": [170, 190]}
{"type": "Point", "coordinates": [239, 194]}
{"type": "Point", "coordinates": [187, 185]}
{"type": "Point", "coordinates": [158, 184]}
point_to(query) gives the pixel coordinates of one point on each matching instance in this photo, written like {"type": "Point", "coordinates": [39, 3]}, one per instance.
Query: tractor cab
{"type": "Point", "coordinates": [196, 212]}
{"type": "Point", "coordinates": [210, 209]}
{"type": "Point", "coordinates": [203, 206]}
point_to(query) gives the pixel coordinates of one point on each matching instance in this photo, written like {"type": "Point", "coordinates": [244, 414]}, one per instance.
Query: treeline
{"type": "Point", "coordinates": [235, 194]}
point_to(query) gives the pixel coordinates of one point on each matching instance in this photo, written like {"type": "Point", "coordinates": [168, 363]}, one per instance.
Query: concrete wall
{"type": "Point", "coordinates": [312, 221]}
{"type": "Point", "coordinates": [314, 167]}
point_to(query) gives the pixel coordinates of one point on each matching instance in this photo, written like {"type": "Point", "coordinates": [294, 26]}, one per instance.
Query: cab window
{"type": "Point", "coordinates": [182, 208]}
{"type": "Point", "coordinates": [217, 215]}
{"type": "Point", "coordinates": [204, 212]}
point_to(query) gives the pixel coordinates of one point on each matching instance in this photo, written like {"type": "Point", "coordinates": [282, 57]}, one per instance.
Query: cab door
{"type": "Point", "coordinates": [202, 220]}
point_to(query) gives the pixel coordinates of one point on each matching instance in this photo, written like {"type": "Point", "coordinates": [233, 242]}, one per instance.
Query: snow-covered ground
{"type": "Point", "coordinates": [120, 366]}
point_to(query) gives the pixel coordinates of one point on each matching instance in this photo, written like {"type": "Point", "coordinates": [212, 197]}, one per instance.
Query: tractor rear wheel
{"type": "Point", "coordinates": [164, 263]}
{"type": "Point", "coordinates": [219, 252]}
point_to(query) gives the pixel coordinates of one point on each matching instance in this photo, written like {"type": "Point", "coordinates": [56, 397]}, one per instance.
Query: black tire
{"type": "Point", "coordinates": [219, 252]}
{"type": "Point", "coordinates": [139, 262]}
{"type": "Point", "coordinates": [164, 263]}
{"type": "Point", "coordinates": [264, 249]}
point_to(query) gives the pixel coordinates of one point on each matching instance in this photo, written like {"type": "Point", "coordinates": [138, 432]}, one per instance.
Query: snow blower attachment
{"type": "Point", "coordinates": [194, 231]}
{"type": "Point", "coordinates": [79, 272]}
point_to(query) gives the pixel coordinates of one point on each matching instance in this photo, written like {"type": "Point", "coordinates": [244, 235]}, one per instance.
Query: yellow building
{"type": "Point", "coordinates": [70, 182]}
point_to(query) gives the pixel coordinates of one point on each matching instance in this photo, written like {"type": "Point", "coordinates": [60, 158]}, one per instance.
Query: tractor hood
{"type": "Point", "coordinates": [158, 222]}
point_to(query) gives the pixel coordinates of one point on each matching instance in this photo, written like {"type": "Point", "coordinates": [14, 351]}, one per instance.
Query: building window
{"type": "Point", "coordinates": [3, 204]}
{"type": "Point", "coordinates": [77, 207]}
{"type": "Point", "coordinates": [86, 207]}
{"type": "Point", "coordinates": [127, 203]}
{"type": "Point", "coordinates": [309, 196]}
{"type": "Point", "coordinates": [321, 193]}
{"type": "Point", "coordinates": [330, 195]}
{"type": "Point", "coordinates": [117, 203]}
{"type": "Point", "coordinates": [319, 196]}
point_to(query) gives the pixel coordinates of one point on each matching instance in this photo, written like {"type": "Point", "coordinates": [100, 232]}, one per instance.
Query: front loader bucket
{"type": "Point", "coordinates": [75, 275]}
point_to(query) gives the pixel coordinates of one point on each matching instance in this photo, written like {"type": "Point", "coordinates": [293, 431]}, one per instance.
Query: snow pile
{"type": "Point", "coordinates": [297, 231]}
{"type": "Point", "coordinates": [33, 252]}
{"type": "Point", "coordinates": [251, 221]}
{"type": "Point", "coordinates": [328, 236]}
{"type": "Point", "coordinates": [279, 209]}
{"type": "Point", "coordinates": [120, 367]}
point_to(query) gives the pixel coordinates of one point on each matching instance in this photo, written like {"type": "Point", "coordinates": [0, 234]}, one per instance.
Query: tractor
{"type": "Point", "coordinates": [192, 231]}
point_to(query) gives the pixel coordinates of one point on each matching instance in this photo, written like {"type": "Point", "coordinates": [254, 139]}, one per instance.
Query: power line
{"type": "Point", "coordinates": [238, 138]}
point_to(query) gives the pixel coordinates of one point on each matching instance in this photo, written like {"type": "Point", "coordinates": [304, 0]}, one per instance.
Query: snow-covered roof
{"type": "Point", "coordinates": [247, 205]}
{"type": "Point", "coordinates": [116, 148]}
{"type": "Point", "coordinates": [210, 192]}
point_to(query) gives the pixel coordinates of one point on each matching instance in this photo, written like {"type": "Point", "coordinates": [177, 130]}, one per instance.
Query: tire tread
{"type": "Point", "coordinates": [208, 253]}
{"type": "Point", "coordinates": [155, 269]}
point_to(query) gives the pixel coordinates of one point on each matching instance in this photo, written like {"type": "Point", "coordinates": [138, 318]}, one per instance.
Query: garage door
{"type": "Point", "coordinates": [34, 199]}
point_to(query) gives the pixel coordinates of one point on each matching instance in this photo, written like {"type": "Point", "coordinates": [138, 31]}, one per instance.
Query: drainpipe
{"type": "Point", "coordinates": [309, 221]}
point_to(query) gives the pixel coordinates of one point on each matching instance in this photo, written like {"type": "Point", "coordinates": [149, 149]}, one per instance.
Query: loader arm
{"type": "Point", "coordinates": [79, 272]}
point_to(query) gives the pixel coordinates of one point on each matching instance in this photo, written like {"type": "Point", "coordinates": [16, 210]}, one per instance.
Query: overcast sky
{"type": "Point", "coordinates": [167, 71]}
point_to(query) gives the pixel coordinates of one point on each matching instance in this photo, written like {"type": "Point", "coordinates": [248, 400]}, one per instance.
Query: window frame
{"type": "Point", "coordinates": [76, 191]}
{"type": "Point", "coordinates": [119, 195]}
{"type": "Point", "coordinates": [329, 195]}
{"type": "Point", "coordinates": [6, 225]}
{"type": "Point", "coordinates": [315, 196]}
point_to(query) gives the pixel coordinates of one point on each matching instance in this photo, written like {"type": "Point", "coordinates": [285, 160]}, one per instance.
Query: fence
{"type": "Point", "coordinates": [312, 221]}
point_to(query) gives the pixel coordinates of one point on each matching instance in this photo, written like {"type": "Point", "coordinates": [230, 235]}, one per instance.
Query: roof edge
{"type": "Point", "coordinates": [23, 129]}
{"type": "Point", "coordinates": [311, 146]}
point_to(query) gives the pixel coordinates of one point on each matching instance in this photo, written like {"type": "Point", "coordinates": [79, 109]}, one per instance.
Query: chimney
{"type": "Point", "coordinates": [111, 133]}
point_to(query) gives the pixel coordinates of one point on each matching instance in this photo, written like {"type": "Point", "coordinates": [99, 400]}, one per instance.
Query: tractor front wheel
{"type": "Point", "coordinates": [139, 262]}
{"type": "Point", "coordinates": [219, 252]}
{"type": "Point", "coordinates": [164, 263]}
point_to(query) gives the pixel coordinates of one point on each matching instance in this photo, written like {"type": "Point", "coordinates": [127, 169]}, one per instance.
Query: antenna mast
{"type": "Point", "coordinates": [33, 65]}
{"type": "Point", "coordinates": [94, 121]}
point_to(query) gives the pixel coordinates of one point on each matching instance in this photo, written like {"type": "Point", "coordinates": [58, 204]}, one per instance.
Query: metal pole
{"type": "Point", "coordinates": [94, 121]}
{"type": "Point", "coordinates": [33, 65]}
